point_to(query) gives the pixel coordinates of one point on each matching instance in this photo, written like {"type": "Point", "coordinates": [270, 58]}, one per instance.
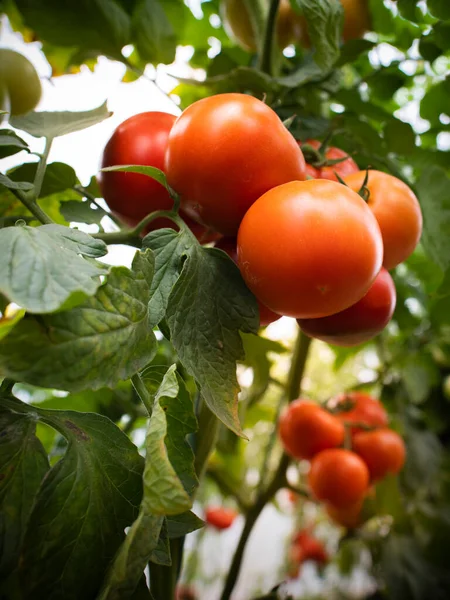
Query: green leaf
{"type": "Point", "coordinates": [57, 178]}
{"type": "Point", "coordinates": [399, 137]}
{"type": "Point", "coordinates": [97, 344]}
{"type": "Point", "coordinates": [54, 124]}
{"type": "Point", "coordinates": [161, 555]}
{"type": "Point", "coordinates": [42, 270]}
{"type": "Point", "coordinates": [170, 476]}
{"type": "Point", "coordinates": [77, 24]}
{"type": "Point", "coordinates": [10, 143]}
{"type": "Point", "coordinates": [324, 19]}
{"type": "Point", "coordinates": [152, 32]}
{"type": "Point", "coordinates": [180, 525]}
{"type": "Point", "coordinates": [98, 482]}
{"type": "Point", "coordinates": [23, 464]}
{"type": "Point", "coordinates": [9, 319]}
{"type": "Point", "coordinates": [206, 306]}
{"type": "Point", "coordinates": [435, 102]}
{"type": "Point", "coordinates": [152, 172]}
{"type": "Point", "coordinates": [75, 211]}
{"type": "Point", "coordinates": [439, 8]}
{"type": "Point", "coordinates": [15, 185]}
{"type": "Point", "coordinates": [423, 459]}
{"type": "Point", "coordinates": [352, 50]}
{"type": "Point", "coordinates": [433, 188]}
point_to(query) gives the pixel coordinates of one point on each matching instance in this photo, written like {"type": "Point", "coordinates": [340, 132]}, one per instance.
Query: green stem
{"type": "Point", "coordinates": [142, 392]}
{"type": "Point", "coordinates": [163, 579]}
{"type": "Point", "coordinates": [131, 236]}
{"type": "Point", "coordinates": [208, 427]}
{"type": "Point", "coordinates": [265, 63]}
{"type": "Point", "coordinates": [33, 207]}
{"type": "Point", "coordinates": [40, 172]}
{"type": "Point", "coordinates": [279, 480]}
{"type": "Point", "coordinates": [7, 386]}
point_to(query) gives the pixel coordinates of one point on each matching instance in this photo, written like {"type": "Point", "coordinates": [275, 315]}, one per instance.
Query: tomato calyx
{"type": "Point", "coordinates": [363, 191]}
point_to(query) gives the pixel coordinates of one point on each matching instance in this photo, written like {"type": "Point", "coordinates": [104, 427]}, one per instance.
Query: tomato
{"type": "Point", "coordinates": [220, 517]}
{"type": "Point", "coordinates": [365, 410]}
{"type": "Point", "coordinates": [346, 167]}
{"type": "Point", "coordinates": [20, 86]}
{"type": "Point", "coordinates": [237, 23]}
{"type": "Point", "coordinates": [266, 316]}
{"type": "Point", "coordinates": [306, 547]}
{"type": "Point", "coordinates": [383, 451]}
{"type": "Point", "coordinates": [361, 321]}
{"type": "Point", "coordinates": [397, 211]}
{"type": "Point", "coordinates": [309, 249]}
{"type": "Point", "coordinates": [140, 140]}
{"type": "Point", "coordinates": [185, 592]}
{"type": "Point", "coordinates": [305, 429]}
{"type": "Point", "coordinates": [224, 152]}
{"type": "Point", "coordinates": [356, 19]}
{"type": "Point", "coordinates": [338, 476]}
{"type": "Point", "coordinates": [349, 516]}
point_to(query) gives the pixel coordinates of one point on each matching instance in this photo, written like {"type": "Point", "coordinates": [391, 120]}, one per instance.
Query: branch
{"type": "Point", "coordinates": [265, 63]}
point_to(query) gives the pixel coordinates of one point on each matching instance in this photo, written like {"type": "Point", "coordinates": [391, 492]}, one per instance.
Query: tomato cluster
{"type": "Point", "coordinates": [305, 547]}
{"type": "Point", "coordinates": [343, 466]}
{"type": "Point", "coordinates": [307, 246]}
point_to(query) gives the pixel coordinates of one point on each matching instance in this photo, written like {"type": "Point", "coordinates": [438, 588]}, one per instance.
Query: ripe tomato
{"type": "Point", "coordinates": [356, 19]}
{"type": "Point", "coordinates": [382, 450]}
{"type": "Point", "coordinates": [338, 476]}
{"type": "Point", "coordinates": [349, 516]}
{"type": "Point", "coordinates": [346, 167]}
{"type": "Point", "coordinates": [220, 517]}
{"type": "Point", "coordinates": [306, 429]}
{"type": "Point", "coordinates": [224, 152]}
{"type": "Point", "coordinates": [366, 410]}
{"type": "Point", "coordinates": [140, 140]}
{"type": "Point", "coordinates": [309, 249]}
{"type": "Point", "coordinates": [238, 26]}
{"type": "Point", "coordinates": [185, 592]}
{"type": "Point", "coordinates": [361, 321]}
{"type": "Point", "coordinates": [397, 211]}
{"type": "Point", "coordinates": [306, 547]}
{"type": "Point", "coordinates": [20, 86]}
{"type": "Point", "coordinates": [266, 316]}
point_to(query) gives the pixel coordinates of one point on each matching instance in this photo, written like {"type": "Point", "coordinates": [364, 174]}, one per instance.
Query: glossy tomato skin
{"type": "Point", "coordinates": [309, 249]}
{"type": "Point", "coordinates": [366, 410]}
{"type": "Point", "coordinates": [383, 451]}
{"type": "Point", "coordinates": [338, 476]}
{"type": "Point", "coordinates": [397, 211]}
{"type": "Point", "coordinates": [20, 86]}
{"type": "Point", "coordinates": [306, 429]}
{"type": "Point", "coordinates": [224, 152]}
{"type": "Point", "coordinates": [220, 517]}
{"type": "Point", "coordinates": [361, 321]}
{"type": "Point", "coordinates": [344, 168]}
{"type": "Point", "coordinates": [140, 140]}
{"type": "Point", "coordinates": [228, 245]}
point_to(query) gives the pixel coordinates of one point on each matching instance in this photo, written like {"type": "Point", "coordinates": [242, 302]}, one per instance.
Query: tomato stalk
{"type": "Point", "coordinates": [93, 200]}
{"type": "Point", "coordinates": [142, 392]}
{"type": "Point", "coordinates": [293, 387]}
{"type": "Point", "coordinates": [265, 63]}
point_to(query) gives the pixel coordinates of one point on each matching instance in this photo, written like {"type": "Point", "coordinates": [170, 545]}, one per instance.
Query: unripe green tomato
{"type": "Point", "coordinates": [20, 86]}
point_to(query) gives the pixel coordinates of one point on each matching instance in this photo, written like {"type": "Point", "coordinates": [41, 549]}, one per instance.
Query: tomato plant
{"type": "Point", "coordinates": [338, 477]}
{"type": "Point", "coordinates": [20, 86]}
{"type": "Point", "coordinates": [382, 450]}
{"type": "Point", "coordinates": [306, 429]}
{"type": "Point", "coordinates": [397, 211]}
{"type": "Point", "coordinates": [209, 146]}
{"type": "Point", "coordinates": [318, 270]}
{"type": "Point", "coordinates": [361, 321]}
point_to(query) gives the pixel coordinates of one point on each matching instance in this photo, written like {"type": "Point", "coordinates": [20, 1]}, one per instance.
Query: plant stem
{"type": "Point", "coordinates": [142, 392]}
{"type": "Point", "coordinates": [279, 480]}
{"type": "Point", "coordinates": [265, 63]}
{"type": "Point", "coordinates": [208, 426]}
{"type": "Point", "coordinates": [131, 236]}
{"type": "Point", "coordinates": [83, 192]}
{"type": "Point", "coordinates": [33, 207]}
{"type": "Point", "coordinates": [7, 386]}
{"type": "Point", "coordinates": [40, 171]}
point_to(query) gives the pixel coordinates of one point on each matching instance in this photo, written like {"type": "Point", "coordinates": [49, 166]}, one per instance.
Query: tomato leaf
{"type": "Point", "coordinates": [99, 483]}
{"type": "Point", "coordinates": [97, 344]}
{"type": "Point", "coordinates": [42, 270]}
{"type": "Point", "coordinates": [54, 124]}
{"type": "Point", "coordinates": [75, 211]}
{"type": "Point", "coordinates": [11, 143]}
{"type": "Point", "coordinates": [9, 319]}
{"type": "Point", "coordinates": [180, 525]}
{"type": "Point", "coordinates": [169, 479]}
{"type": "Point", "coordinates": [152, 32]}
{"type": "Point", "coordinates": [152, 172]}
{"type": "Point", "coordinates": [7, 182]}
{"type": "Point", "coordinates": [57, 178]}
{"type": "Point", "coordinates": [23, 465]}
{"type": "Point", "coordinates": [206, 304]}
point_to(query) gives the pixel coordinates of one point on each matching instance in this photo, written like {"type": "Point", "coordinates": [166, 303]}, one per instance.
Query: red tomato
{"type": "Point", "coordinates": [185, 592]}
{"type": "Point", "coordinates": [346, 167]}
{"type": "Point", "coordinates": [356, 19]}
{"type": "Point", "coordinates": [309, 249]}
{"type": "Point", "coordinates": [360, 322]}
{"type": "Point", "coordinates": [366, 410]}
{"type": "Point", "coordinates": [224, 152]}
{"type": "Point", "coordinates": [349, 516]}
{"type": "Point", "coordinates": [140, 140]}
{"type": "Point", "coordinates": [220, 517]}
{"type": "Point", "coordinates": [397, 211]}
{"type": "Point", "coordinates": [382, 450]}
{"type": "Point", "coordinates": [266, 316]}
{"type": "Point", "coordinates": [306, 547]}
{"type": "Point", "coordinates": [306, 429]}
{"type": "Point", "coordinates": [338, 476]}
